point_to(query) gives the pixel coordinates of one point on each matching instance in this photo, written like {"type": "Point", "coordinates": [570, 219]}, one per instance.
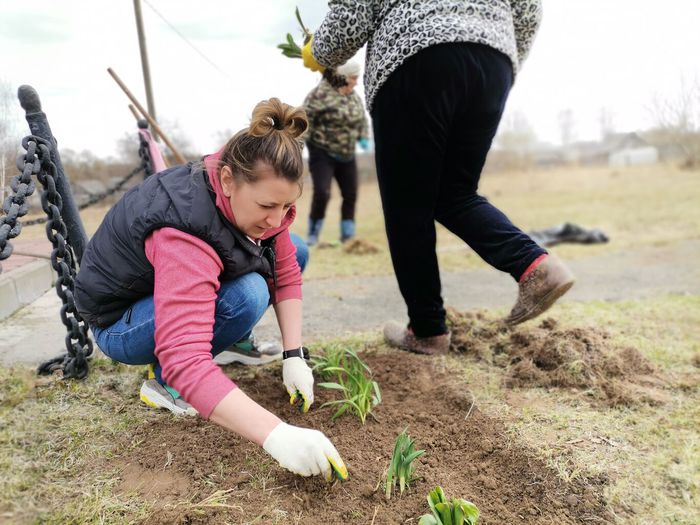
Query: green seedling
{"type": "Point", "coordinates": [290, 48]}
{"type": "Point", "coordinates": [353, 378]}
{"type": "Point", "coordinates": [456, 512]}
{"type": "Point", "coordinates": [327, 364]}
{"type": "Point", "coordinates": [401, 467]}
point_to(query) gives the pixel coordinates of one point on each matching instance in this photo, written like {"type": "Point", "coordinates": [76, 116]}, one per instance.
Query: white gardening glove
{"type": "Point", "coordinates": [305, 452]}
{"type": "Point", "coordinates": [299, 381]}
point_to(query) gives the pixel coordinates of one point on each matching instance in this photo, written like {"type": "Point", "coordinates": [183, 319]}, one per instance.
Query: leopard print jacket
{"type": "Point", "coordinates": [396, 29]}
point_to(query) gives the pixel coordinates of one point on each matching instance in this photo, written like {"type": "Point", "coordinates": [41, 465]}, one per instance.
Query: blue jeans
{"type": "Point", "coordinates": [240, 304]}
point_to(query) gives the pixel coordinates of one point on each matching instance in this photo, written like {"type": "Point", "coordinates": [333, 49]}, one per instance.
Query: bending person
{"type": "Point", "coordinates": [438, 73]}
{"type": "Point", "coordinates": [184, 266]}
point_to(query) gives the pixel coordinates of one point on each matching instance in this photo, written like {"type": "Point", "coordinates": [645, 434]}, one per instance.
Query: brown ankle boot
{"type": "Point", "coordinates": [540, 289]}
{"type": "Point", "coordinates": [400, 336]}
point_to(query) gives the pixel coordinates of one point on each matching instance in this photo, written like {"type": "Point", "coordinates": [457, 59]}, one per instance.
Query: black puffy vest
{"type": "Point", "coordinates": [115, 272]}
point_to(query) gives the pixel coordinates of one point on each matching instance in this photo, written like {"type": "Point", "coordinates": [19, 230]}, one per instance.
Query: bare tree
{"type": "Point", "coordinates": [128, 148]}
{"type": "Point", "coordinates": [180, 140]}
{"type": "Point", "coordinates": [516, 134]}
{"type": "Point", "coordinates": [567, 126]}
{"type": "Point", "coordinates": [678, 123]}
{"type": "Point", "coordinates": [515, 141]}
{"type": "Point", "coordinates": [222, 136]}
{"type": "Point", "coordinates": [606, 121]}
{"type": "Point", "coordinates": [9, 136]}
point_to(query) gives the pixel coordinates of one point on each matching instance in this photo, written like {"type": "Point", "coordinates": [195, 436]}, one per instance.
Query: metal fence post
{"type": "Point", "coordinates": [39, 126]}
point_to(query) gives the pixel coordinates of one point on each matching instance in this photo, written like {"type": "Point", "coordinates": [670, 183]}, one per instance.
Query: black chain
{"type": "Point", "coordinates": [97, 197]}
{"type": "Point", "coordinates": [37, 161]}
{"type": "Point", "coordinates": [145, 155]}
{"type": "Point", "coordinates": [15, 205]}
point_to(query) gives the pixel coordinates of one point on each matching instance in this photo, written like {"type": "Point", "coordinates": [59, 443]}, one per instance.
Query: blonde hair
{"type": "Point", "coordinates": [274, 137]}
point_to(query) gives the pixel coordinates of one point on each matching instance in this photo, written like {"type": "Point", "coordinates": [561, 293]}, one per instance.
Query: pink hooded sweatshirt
{"type": "Point", "coordinates": [185, 295]}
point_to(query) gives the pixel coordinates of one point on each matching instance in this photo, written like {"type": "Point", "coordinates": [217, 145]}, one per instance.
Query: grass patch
{"type": "Point", "coordinates": [53, 431]}
{"type": "Point", "coordinates": [50, 433]}
{"type": "Point", "coordinates": [592, 197]}
{"type": "Point", "coordinates": [650, 454]}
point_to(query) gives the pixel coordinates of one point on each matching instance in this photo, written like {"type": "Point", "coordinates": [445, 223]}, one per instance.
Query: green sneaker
{"type": "Point", "coordinates": [250, 351]}
{"type": "Point", "coordinates": [158, 396]}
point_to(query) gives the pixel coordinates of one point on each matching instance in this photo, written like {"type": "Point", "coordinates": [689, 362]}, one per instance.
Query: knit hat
{"type": "Point", "coordinates": [349, 69]}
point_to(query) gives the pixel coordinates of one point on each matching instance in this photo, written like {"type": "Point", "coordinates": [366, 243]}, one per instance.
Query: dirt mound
{"type": "Point", "coordinates": [471, 457]}
{"type": "Point", "coordinates": [547, 356]}
{"type": "Point", "coordinates": [359, 247]}
{"type": "Point", "coordinates": [324, 245]}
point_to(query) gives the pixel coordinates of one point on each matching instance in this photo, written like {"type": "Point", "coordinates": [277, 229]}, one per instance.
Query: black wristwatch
{"type": "Point", "coordinates": [302, 352]}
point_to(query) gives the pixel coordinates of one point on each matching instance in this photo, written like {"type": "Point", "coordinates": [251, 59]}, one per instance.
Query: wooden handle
{"type": "Point", "coordinates": [153, 123]}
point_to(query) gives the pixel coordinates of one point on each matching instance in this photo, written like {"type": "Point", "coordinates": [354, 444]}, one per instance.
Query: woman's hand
{"type": "Point", "coordinates": [308, 58]}
{"type": "Point", "coordinates": [305, 452]}
{"type": "Point", "coordinates": [299, 381]}
{"type": "Point", "coordinates": [301, 450]}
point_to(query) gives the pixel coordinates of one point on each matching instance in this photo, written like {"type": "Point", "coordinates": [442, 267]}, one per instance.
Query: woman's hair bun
{"type": "Point", "coordinates": [272, 115]}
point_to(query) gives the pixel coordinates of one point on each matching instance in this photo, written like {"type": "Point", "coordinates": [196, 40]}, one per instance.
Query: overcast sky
{"type": "Point", "coordinates": [589, 54]}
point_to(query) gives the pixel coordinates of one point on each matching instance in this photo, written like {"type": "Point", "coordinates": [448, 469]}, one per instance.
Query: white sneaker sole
{"type": "Point", "coordinates": [156, 400]}
{"type": "Point", "coordinates": [226, 358]}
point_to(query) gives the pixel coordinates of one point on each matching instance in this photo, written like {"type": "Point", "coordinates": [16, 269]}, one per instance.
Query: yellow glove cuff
{"type": "Point", "coordinates": [308, 58]}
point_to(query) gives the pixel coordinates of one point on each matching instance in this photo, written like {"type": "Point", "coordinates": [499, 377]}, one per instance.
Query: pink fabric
{"type": "Point", "coordinates": [532, 266]}
{"type": "Point", "coordinates": [157, 160]}
{"type": "Point", "coordinates": [185, 295]}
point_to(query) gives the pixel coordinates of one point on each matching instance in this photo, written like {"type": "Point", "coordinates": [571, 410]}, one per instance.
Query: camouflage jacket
{"type": "Point", "coordinates": [336, 121]}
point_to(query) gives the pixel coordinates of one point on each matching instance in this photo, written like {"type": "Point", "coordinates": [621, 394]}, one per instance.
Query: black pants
{"type": "Point", "coordinates": [324, 169]}
{"type": "Point", "coordinates": [434, 120]}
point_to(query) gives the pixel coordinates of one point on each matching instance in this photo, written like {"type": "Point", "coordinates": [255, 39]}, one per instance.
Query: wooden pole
{"type": "Point", "coordinates": [147, 116]}
{"type": "Point", "coordinates": [144, 60]}
{"type": "Point", "coordinates": [134, 112]}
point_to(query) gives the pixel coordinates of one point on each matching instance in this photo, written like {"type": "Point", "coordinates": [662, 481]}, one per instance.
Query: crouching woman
{"type": "Point", "coordinates": [185, 265]}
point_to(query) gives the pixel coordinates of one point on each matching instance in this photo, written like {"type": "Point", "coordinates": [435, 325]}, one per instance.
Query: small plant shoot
{"type": "Point", "coordinates": [456, 512]}
{"type": "Point", "coordinates": [401, 467]}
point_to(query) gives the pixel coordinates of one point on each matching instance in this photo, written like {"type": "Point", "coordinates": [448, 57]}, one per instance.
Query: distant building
{"type": "Point", "coordinates": [547, 155]}
{"type": "Point", "coordinates": [618, 149]}
{"type": "Point", "coordinates": [629, 149]}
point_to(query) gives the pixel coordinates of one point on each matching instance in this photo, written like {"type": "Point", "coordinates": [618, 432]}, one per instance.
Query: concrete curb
{"type": "Point", "coordinates": [24, 285]}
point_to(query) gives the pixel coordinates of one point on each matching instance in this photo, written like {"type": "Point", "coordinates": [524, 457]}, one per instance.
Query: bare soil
{"type": "Point", "coordinates": [547, 356]}
{"type": "Point", "coordinates": [468, 453]}
{"type": "Point", "coordinates": [360, 247]}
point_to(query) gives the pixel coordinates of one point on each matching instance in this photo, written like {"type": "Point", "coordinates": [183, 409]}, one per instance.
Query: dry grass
{"type": "Point", "coordinates": [51, 430]}
{"type": "Point", "coordinates": [649, 454]}
{"type": "Point", "coordinates": [636, 207]}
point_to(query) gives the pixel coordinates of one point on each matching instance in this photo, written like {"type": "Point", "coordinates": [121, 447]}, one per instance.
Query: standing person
{"type": "Point", "coordinates": [438, 73]}
{"type": "Point", "coordinates": [184, 266]}
{"type": "Point", "coordinates": [337, 122]}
